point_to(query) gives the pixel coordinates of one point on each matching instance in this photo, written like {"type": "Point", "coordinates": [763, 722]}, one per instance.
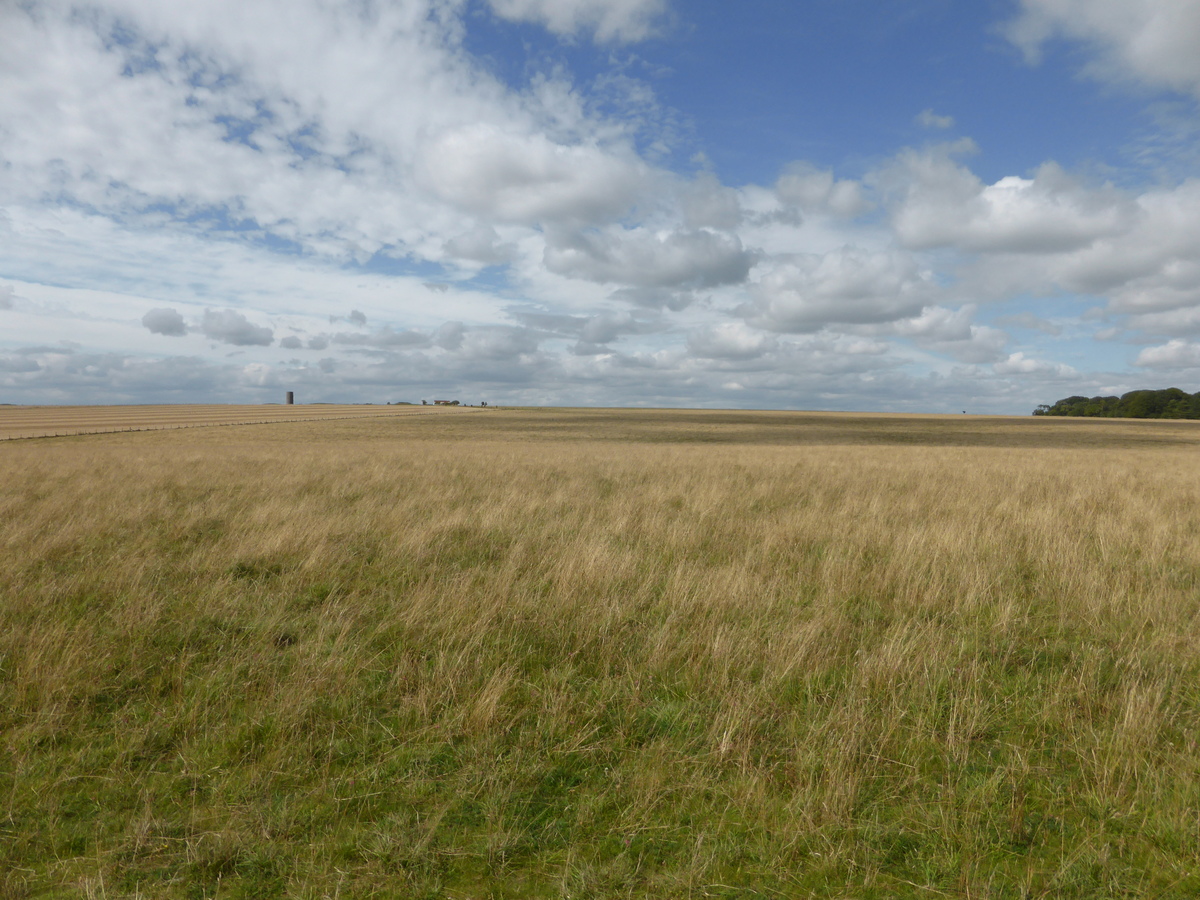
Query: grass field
{"type": "Point", "coordinates": [20, 422]}
{"type": "Point", "coordinates": [594, 654]}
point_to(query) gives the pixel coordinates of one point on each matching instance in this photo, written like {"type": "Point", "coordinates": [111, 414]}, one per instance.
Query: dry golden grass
{"type": "Point", "coordinates": [20, 422]}
{"type": "Point", "coordinates": [603, 654]}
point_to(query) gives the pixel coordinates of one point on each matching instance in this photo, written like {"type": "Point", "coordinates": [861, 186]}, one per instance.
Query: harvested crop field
{"type": "Point", "coordinates": [603, 653]}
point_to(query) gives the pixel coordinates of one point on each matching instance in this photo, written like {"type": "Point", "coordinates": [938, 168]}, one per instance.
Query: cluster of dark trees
{"type": "Point", "coordinates": [1169, 404]}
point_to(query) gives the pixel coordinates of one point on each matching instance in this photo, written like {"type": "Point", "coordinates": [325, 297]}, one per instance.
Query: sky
{"type": "Point", "coordinates": [928, 206]}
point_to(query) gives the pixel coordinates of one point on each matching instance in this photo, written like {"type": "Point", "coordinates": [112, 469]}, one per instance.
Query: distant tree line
{"type": "Point", "coordinates": [1169, 404]}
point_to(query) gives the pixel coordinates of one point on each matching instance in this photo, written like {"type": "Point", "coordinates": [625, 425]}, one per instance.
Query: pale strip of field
{"type": "Point", "coordinates": [58, 421]}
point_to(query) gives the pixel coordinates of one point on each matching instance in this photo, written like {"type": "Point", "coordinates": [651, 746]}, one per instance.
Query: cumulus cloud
{"type": "Point", "coordinates": [1150, 41]}
{"type": "Point", "coordinates": [18, 365]}
{"type": "Point", "coordinates": [820, 372]}
{"type": "Point", "coordinates": [937, 323]}
{"type": "Point", "coordinates": [608, 20]}
{"type": "Point", "coordinates": [1020, 364]}
{"type": "Point", "coordinates": [150, 123]}
{"type": "Point", "coordinates": [528, 178]}
{"type": "Point", "coordinates": [1147, 271]}
{"type": "Point", "coordinates": [51, 375]}
{"type": "Point", "coordinates": [481, 244]}
{"type": "Point", "coordinates": [165, 321]}
{"type": "Point", "coordinates": [231, 327]}
{"type": "Point", "coordinates": [298, 133]}
{"type": "Point", "coordinates": [592, 334]}
{"type": "Point", "coordinates": [952, 332]}
{"type": "Point", "coordinates": [1154, 266]}
{"type": "Point", "coordinates": [706, 203]}
{"type": "Point", "coordinates": [1141, 254]}
{"type": "Point", "coordinates": [942, 203]}
{"type": "Point", "coordinates": [730, 340]}
{"type": "Point", "coordinates": [1176, 354]}
{"type": "Point", "coordinates": [643, 258]}
{"type": "Point", "coordinates": [810, 189]}
{"type": "Point", "coordinates": [607, 327]}
{"type": "Point", "coordinates": [497, 343]}
{"type": "Point", "coordinates": [846, 286]}
{"type": "Point", "coordinates": [1182, 321]}
{"type": "Point", "coordinates": [982, 345]}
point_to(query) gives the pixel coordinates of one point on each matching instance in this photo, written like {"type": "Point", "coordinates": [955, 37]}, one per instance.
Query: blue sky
{"type": "Point", "coordinates": [840, 204]}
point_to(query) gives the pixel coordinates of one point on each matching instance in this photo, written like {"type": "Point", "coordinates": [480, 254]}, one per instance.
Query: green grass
{"type": "Point", "coordinates": [400, 660]}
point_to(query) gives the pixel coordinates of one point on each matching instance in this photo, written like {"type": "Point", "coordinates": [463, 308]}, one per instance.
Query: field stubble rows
{"type": "Point", "coordinates": [603, 654]}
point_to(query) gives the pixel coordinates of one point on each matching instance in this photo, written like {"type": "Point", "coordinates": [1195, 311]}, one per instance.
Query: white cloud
{"type": "Point", "coordinates": [810, 189]}
{"type": "Point", "coordinates": [288, 158]}
{"type": "Point", "coordinates": [1151, 267]}
{"type": "Point", "coordinates": [846, 286]}
{"type": "Point", "coordinates": [814, 373]}
{"type": "Point", "coordinates": [706, 203]}
{"type": "Point", "coordinates": [218, 110]}
{"type": "Point", "coordinates": [951, 332]}
{"type": "Point", "coordinates": [1176, 354]}
{"type": "Point", "coordinates": [927, 118]}
{"type": "Point", "coordinates": [1020, 364]}
{"type": "Point", "coordinates": [729, 340]}
{"type": "Point", "coordinates": [528, 178]}
{"type": "Point", "coordinates": [64, 376]}
{"type": "Point", "coordinates": [231, 327]}
{"type": "Point", "coordinates": [1151, 41]}
{"type": "Point", "coordinates": [1145, 270]}
{"type": "Point", "coordinates": [607, 327]}
{"type": "Point", "coordinates": [942, 203]}
{"type": "Point", "coordinates": [640, 257]}
{"type": "Point", "coordinates": [480, 245]}
{"type": "Point", "coordinates": [609, 20]}
{"type": "Point", "coordinates": [592, 334]}
{"type": "Point", "coordinates": [497, 343]}
{"type": "Point", "coordinates": [983, 345]}
{"type": "Point", "coordinates": [937, 323]}
{"type": "Point", "coordinates": [88, 251]}
{"type": "Point", "coordinates": [165, 321]}
{"type": "Point", "coordinates": [1182, 321]}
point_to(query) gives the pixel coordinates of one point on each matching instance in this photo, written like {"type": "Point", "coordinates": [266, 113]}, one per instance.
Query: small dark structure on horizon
{"type": "Point", "coordinates": [291, 398]}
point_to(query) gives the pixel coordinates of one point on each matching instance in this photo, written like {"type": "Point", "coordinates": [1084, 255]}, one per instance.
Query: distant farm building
{"type": "Point", "coordinates": [445, 403]}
